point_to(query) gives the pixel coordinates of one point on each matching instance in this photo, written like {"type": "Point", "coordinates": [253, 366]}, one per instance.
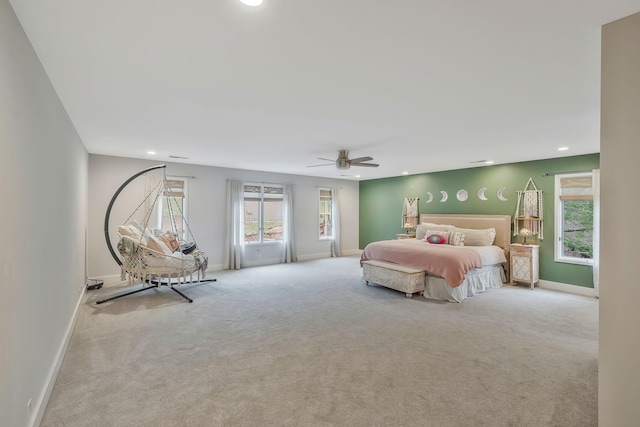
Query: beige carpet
{"type": "Point", "coordinates": [310, 344]}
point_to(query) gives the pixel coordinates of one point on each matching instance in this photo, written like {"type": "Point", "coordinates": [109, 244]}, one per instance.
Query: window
{"type": "Point", "coordinates": [173, 204]}
{"type": "Point", "coordinates": [574, 218]}
{"type": "Point", "coordinates": [262, 213]}
{"type": "Point", "coordinates": [325, 224]}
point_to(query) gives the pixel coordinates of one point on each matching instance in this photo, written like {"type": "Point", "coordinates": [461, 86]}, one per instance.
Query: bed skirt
{"type": "Point", "coordinates": [475, 281]}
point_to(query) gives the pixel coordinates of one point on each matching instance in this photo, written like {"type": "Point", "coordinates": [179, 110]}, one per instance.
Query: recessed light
{"type": "Point", "coordinates": [489, 162]}
{"type": "Point", "coordinates": [357, 176]}
{"type": "Point", "coordinates": [252, 2]}
{"type": "Point", "coordinates": [405, 173]}
{"type": "Point", "coordinates": [151, 152]}
{"type": "Point", "coordinates": [563, 148]}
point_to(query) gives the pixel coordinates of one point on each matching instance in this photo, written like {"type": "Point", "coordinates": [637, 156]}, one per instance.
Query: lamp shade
{"type": "Point", "coordinates": [525, 232]}
{"type": "Point", "coordinates": [410, 222]}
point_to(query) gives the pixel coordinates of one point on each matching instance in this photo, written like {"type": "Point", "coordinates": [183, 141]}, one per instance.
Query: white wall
{"type": "Point", "coordinates": [619, 371]}
{"type": "Point", "coordinates": [43, 182]}
{"type": "Point", "coordinates": [207, 200]}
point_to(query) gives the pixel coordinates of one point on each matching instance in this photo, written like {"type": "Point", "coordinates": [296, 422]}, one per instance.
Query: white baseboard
{"type": "Point", "coordinates": [351, 252]}
{"type": "Point", "coordinates": [43, 399]}
{"type": "Point", "coordinates": [308, 257]}
{"type": "Point", "coordinates": [261, 262]}
{"type": "Point", "coordinates": [113, 279]}
{"type": "Point", "coordinates": [215, 267]}
{"type": "Point", "coordinates": [564, 287]}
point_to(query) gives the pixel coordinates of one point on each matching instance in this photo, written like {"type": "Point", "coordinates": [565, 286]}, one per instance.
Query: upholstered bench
{"type": "Point", "coordinates": [395, 276]}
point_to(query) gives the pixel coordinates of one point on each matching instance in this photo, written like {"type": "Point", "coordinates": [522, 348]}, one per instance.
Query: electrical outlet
{"type": "Point", "coordinates": [29, 406]}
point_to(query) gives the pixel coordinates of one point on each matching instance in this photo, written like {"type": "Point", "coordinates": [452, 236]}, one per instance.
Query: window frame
{"type": "Point", "coordinates": [558, 253]}
{"type": "Point", "coordinates": [185, 206]}
{"type": "Point", "coordinates": [321, 213]}
{"type": "Point", "coordinates": [261, 206]}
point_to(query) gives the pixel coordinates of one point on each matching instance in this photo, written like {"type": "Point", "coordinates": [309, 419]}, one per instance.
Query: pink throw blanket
{"type": "Point", "coordinates": [449, 262]}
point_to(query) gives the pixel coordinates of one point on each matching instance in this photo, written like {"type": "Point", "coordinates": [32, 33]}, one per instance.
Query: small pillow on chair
{"type": "Point", "coordinates": [129, 231]}
{"type": "Point", "coordinates": [154, 243]}
{"type": "Point", "coordinates": [187, 248]}
{"type": "Point", "coordinates": [169, 239]}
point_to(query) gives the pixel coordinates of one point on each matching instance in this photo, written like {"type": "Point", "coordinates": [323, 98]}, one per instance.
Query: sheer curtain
{"type": "Point", "coordinates": [234, 239]}
{"type": "Point", "coordinates": [595, 184]}
{"type": "Point", "coordinates": [288, 236]}
{"type": "Point", "coordinates": [336, 251]}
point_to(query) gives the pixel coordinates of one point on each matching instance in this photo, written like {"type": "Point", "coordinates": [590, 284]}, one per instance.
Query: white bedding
{"type": "Point", "coordinates": [476, 281]}
{"type": "Point", "coordinates": [490, 255]}
{"type": "Point", "coordinates": [491, 275]}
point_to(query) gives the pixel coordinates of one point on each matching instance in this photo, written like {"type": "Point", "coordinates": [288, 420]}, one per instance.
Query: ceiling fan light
{"type": "Point", "coordinates": [342, 164]}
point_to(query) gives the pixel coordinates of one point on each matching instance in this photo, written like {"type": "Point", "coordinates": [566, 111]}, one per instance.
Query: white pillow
{"type": "Point", "coordinates": [129, 231]}
{"type": "Point", "coordinates": [454, 238]}
{"type": "Point", "coordinates": [472, 237]}
{"type": "Point", "coordinates": [492, 233]}
{"type": "Point", "coordinates": [422, 229]}
{"type": "Point", "coordinates": [155, 244]}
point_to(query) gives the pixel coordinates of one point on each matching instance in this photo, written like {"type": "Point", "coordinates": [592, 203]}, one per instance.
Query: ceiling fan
{"type": "Point", "coordinates": [344, 162]}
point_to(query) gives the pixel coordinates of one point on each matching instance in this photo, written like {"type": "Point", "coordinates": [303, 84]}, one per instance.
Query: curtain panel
{"type": "Point", "coordinates": [234, 238]}
{"type": "Point", "coordinates": [336, 249]}
{"type": "Point", "coordinates": [288, 235]}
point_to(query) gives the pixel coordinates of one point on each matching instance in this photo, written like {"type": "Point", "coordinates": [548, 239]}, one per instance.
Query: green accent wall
{"type": "Point", "coordinates": [381, 202]}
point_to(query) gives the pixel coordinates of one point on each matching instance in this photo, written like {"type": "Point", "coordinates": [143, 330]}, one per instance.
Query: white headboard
{"type": "Point", "coordinates": [502, 224]}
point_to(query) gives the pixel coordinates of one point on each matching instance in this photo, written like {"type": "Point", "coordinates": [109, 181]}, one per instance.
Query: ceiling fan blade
{"type": "Point", "coordinates": [326, 164]}
{"type": "Point", "coordinates": [369, 165]}
{"type": "Point", "coordinates": [360, 159]}
{"type": "Point", "coordinates": [326, 160]}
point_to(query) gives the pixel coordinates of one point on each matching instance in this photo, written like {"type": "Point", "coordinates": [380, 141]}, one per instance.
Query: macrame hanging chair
{"type": "Point", "coordinates": [155, 257]}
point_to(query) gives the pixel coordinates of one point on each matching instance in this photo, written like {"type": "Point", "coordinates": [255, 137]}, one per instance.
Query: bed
{"type": "Point", "coordinates": [450, 272]}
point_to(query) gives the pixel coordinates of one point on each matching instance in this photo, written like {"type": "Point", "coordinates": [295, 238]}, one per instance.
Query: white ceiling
{"type": "Point", "coordinates": [419, 85]}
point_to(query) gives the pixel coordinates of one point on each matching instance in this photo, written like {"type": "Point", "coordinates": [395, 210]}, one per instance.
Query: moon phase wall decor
{"type": "Point", "coordinates": [429, 197]}
{"type": "Point", "coordinates": [500, 195]}
{"type": "Point", "coordinates": [481, 192]}
{"type": "Point", "coordinates": [463, 195]}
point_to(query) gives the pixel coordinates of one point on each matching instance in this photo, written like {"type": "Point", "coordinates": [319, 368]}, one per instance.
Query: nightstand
{"type": "Point", "coordinates": [525, 264]}
{"type": "Point", "coordinates": [405, 236]}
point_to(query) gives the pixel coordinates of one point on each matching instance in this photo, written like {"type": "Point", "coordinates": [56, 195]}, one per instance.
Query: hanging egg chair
{"type": "Point", "coordinates": [156, 257]}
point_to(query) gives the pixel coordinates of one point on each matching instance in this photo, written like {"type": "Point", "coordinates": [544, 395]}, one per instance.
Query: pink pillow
{"type": "Point", "coordinates": [436, 239]}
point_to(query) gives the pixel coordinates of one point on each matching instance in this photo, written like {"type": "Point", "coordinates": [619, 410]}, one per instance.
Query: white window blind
{"type": "Point", "coordinates": [576, 188]}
